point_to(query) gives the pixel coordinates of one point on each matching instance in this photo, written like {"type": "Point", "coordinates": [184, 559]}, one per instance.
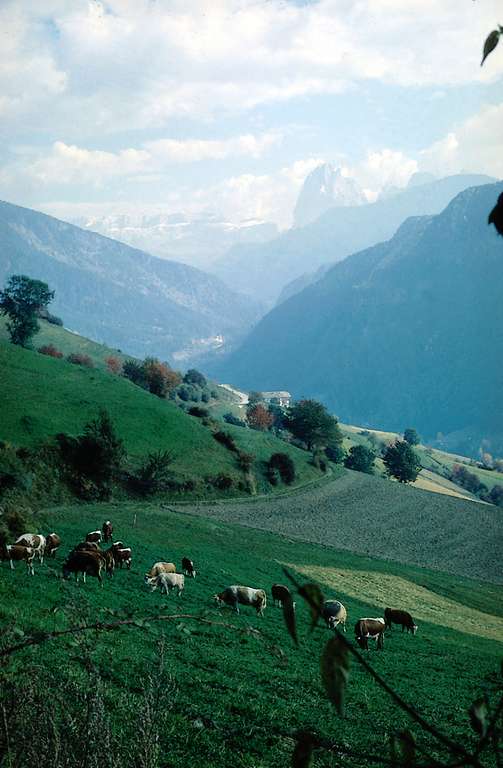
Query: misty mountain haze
{"type": "Point", "coordinates": [391, 335]}
{"type": "Point", "coordinates": [119, 295]}
{"type": "Point", "coordinates": [337, 233]}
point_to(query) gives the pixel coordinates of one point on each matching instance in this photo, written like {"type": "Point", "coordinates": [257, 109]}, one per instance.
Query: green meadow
{"type": "Point", "coordinates": [234, 696]}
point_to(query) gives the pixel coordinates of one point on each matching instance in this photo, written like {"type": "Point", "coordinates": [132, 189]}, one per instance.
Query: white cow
{"type": "Point", "coordinates": [166, 582]}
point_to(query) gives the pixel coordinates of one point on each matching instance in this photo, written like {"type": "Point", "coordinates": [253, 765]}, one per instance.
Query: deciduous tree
{"type": "Point", "coordinates": [401, 461]}
{"type": "Point", "coordinates": [21, 300]}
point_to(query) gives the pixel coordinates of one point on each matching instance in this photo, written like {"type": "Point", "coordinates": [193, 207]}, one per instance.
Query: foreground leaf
{"type": "Point", "coordinates": [478, 716]}
{"type": "Point", "coordinates": [313, 596]}
{"type": "Point", "coordinates": [289, 617]}
{"type": "Point", "coordinates": [490, 44]}
{"type": "Point", "coordinates": [403, 748]}
{"type": "Point", "coordinates": [335, 672]}
{"type": "Point", "coordinates": [302, 756]}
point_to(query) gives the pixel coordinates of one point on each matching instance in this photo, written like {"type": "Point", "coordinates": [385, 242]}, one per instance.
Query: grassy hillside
{"type": "Point", "coordinates": [42, 396]}
{"type": "Point", "coordinates": [238, 698]}
{"type": "Point", "coordinates": [67, 341]}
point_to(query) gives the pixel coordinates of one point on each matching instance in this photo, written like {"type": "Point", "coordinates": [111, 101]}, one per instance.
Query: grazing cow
{"type": "Point", "coordinates": [122, 556]}
{"type": "Point", "coordinates": [13, 552]}
{"type": "Point", "coordinates": [158, 568]}
{"type": "Point", "coordinates": [35, 541]}
{"type": "Point", "coordinates": [82, 562]}
{"type": "Point", "coordinates": [188, 567]}
{"type": "Point", "coordinates": [52, 544]}
{"type": "Point", "coordinates": [370, 628]}
{"type": "Point", "coordinates": [86, 546]}
{"type": "Point", "coordinates": [334, 613]}
{"type": "Point", "coordinates": [280, 594]}
{"type": "Point", "coordinates": [166, 582]}
{"type": "Point", "coordinates": [107, 531]}
{"type": "Point", "coordinates": [94, 536]}
{"type": "Point", "coordinates": [392, 616]}
{"type": "Point", "coordinates": [245, 595]}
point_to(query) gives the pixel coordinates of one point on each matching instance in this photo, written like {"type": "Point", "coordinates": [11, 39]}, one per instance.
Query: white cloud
{"type": "Point", "coordinates": [476, 146]}
{"type": "Point", "coordinates": [70, 164]}
{"type": "Point", "coordinates": [104, 67]}
{"type": "Point", "coordinates": [193, 150]}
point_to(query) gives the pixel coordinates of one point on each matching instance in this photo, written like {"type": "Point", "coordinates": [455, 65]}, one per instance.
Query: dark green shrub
{"type": "Point", "coordinates": [153, 475]}
{"type": "Point", "coordinates": [361, 459]}
{"type": "Point", "coordinates": [231, 419]}
{"type": "Point", "coordinates": [284, 464]}
{"type": "Point", "coordinates": [197, 411]}
{"type": "Point", "coordinates": [225, 439]}
{"type": "Point", "coordinates": [221, 481]}
{"type": "Point", "coordinates": [335, 452]}
{"type": "Point", "coordinates": [93, 459]}
{"type": "Point", "coordinates": [133, 370]}
{"type": "Point", "coordinates": [194, 377]}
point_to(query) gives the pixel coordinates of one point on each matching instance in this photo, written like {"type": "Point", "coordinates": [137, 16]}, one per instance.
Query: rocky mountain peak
{"type": "Point", "coordinates": [325, 187]}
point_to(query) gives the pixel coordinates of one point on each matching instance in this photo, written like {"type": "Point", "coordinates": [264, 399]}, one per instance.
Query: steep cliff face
{"type": "Point", "coordinates": [325, 187]}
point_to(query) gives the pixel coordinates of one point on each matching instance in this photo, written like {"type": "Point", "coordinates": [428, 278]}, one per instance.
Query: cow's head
{"type": "Point", "coordinates": [218, 600]}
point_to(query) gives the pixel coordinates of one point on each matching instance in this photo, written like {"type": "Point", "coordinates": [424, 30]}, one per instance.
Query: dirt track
{"type": "Point", "coordinates": [376, 517]}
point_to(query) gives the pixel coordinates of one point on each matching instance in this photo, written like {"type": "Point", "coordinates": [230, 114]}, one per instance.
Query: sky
{"type": "Point", "coordinates": [224, 106]}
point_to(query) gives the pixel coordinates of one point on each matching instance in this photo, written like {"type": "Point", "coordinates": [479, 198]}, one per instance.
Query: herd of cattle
{"type": "Point", "coordinates": [89, 558]}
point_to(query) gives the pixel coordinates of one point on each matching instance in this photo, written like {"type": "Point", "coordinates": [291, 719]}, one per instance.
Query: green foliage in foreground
{"type": "Point", "coordinates": [238, 698]}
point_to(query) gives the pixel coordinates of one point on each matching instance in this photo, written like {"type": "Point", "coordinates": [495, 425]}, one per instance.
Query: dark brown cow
{"type": "Point", "coordinates": [85, 563]}
{"type": "Point", "coordinates": [394, 616]}
{"type": "Point", "coordinates": [372, 629]}
{"type": "Point", "coordinates": [188, 567]}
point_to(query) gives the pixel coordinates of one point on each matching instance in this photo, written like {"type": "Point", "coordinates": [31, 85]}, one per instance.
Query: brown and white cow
{"type": "Point", "coordinates": [334, 614]}
{"type": "Point", "coordinates": [370, 629]}
{"type": "Point", "coordinates": [166, 582]}
{"type": "Point", "coordinates": [52, 544]}
{"type": "Point", "coordinates": [16, 552]}
{"type": "Point", "coordinates": [158, 568]}
{"type": "Point", "coordinates": [107, 530]}
{"type": "Point", "coordinates": [393, 616]}
{"type": "Point", "coordinates": [122, 556]}
{"type": "Point", "coordinates": [94, 536]}
{"type": "Point", "coordinates": [35, 541]}
{"type": "Point", "coordinates": [280, 594]}
{"type": "Point", "coordinates": [85, 563]}
{"type": "Point", "coordinates": [236, 595]}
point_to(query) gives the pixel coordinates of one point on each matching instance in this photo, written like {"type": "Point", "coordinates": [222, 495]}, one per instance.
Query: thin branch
{"type": "Point", "coordinates": [100, 626]}
{"type": "Point", "coordinates": [410, 710]}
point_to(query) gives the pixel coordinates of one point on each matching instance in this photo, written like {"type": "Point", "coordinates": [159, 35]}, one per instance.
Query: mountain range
{"type": "Point", "coordinates": [197, 240]}
{"type": "Point", "coordinates": [406, 333]}
{"type": "Point", "coordinates": [120, 295]}
{"type": "Point", "coordinates": [263, 270]}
